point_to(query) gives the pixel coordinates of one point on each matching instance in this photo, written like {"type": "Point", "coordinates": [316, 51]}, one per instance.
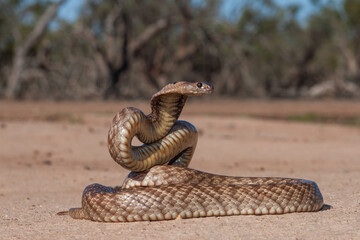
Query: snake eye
{"type": "Point", "coordinates": [199, 84]}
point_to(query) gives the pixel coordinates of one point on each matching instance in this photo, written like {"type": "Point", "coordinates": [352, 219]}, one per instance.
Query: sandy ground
{"type": "Point", "coordinates": [50, 151]}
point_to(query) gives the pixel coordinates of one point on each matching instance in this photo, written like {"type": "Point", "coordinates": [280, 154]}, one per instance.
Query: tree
{"type": "Point", "coordinates": [23, 48]}
{"type": "Point", "coordinates": [131, 48]}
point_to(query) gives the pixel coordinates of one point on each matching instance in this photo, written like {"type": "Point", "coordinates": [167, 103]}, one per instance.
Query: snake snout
{"type": "Point", "coordinates": [200, 88]}
{"type": "Point", "coordinates": [209, 87]}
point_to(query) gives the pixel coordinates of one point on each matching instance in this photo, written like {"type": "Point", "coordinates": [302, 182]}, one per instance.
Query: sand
{"type": "Point", "coordinates": [49, 152]}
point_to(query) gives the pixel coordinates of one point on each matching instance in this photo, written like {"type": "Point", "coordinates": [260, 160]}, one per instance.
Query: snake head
{"type": "Point", "coordinates": [192, 88]}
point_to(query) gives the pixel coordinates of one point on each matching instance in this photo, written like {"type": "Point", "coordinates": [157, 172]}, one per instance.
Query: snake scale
{"type": "Point", "coordinates": [161, 187]}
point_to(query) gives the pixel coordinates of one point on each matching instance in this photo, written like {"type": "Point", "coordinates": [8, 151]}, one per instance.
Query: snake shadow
{"type": "Point", "coordinates": [326, 207]}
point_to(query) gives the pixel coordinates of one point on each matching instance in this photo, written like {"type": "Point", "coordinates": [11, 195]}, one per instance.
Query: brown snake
{"type": "Point", "coordinates": [154, 191]}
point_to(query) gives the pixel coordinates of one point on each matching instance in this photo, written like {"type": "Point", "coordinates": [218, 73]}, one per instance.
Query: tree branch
{"type": "Point", "coordinates": [149, 33]}
{"type": "Point", "coordinates": [22, 50]}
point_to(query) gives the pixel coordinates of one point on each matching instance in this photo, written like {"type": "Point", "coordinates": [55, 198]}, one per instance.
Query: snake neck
{"type": "Point", "coordinates": [166, 110]}
{"type": "Point", "coordinates": [149, 129]}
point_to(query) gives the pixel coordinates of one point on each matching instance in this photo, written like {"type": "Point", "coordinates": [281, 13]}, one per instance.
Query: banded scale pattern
{"type": "Point", "coordinates": [161, 187]}
{"type": "Point", "coordinates": [165, 138]}
{"type": "Point", "coordinates": [212, 196]}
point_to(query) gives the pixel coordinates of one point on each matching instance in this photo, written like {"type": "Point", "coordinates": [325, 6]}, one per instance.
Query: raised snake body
{"type": "Point", "coordinates": [154, 191]}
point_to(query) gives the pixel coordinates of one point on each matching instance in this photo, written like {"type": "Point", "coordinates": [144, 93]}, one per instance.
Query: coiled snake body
{"type": "Point", "coordinates": [154, 191]}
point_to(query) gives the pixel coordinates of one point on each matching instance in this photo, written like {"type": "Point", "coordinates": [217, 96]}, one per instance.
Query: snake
{"type": "Point", "coordinates": [160, 185]}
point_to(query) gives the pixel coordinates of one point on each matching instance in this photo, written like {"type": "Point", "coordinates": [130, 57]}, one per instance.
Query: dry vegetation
{"type": "Point", "coordinates": [130, 48]}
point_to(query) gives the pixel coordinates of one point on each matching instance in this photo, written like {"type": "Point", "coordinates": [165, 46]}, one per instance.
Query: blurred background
{"type": "Point", "coordinates": [93, 49]}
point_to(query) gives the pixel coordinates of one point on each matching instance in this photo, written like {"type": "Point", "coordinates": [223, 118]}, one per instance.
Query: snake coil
{"type": "Point", "coordinates": [161, 187]}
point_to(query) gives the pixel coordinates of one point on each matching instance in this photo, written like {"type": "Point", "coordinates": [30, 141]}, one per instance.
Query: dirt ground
{"type": "Point", "coordinates": [49, 152]}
